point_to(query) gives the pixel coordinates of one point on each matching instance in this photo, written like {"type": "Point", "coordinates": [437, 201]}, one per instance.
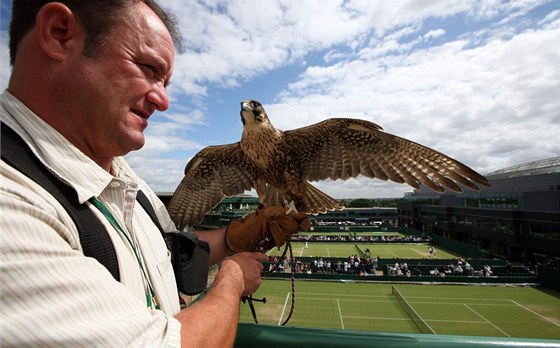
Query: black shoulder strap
{"type": "Point", "coordinates": [145, 203]}
{"type": "Point", "coordinates": [95, 241]}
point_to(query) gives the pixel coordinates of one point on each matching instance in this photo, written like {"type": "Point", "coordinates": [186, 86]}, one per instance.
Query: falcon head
{"type": "Point", "coordinates": [252, 113]}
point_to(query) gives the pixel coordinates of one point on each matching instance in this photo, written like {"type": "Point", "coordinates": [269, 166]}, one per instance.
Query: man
{"type": "Point", "coordinates": [86, 77]}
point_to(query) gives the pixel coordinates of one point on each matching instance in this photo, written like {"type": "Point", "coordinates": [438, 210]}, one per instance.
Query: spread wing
{"type": "Point", "coordinates": [212, 174]}
{"type": "Point", "coordinates": [340, 148]}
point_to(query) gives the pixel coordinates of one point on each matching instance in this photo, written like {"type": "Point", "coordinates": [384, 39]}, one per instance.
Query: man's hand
{"type": "Point", "coordinates": [264, 229]}
{"type": "Point", "coordinates": [246, 269]}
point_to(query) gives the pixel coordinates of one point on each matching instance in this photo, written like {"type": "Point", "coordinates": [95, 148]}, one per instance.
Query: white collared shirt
{"type": "Point", "coordinates": [51, 294]}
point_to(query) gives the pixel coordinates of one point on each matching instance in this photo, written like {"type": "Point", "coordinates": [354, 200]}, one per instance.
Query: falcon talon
{"type": "Point", "coordinates": [291, 208]}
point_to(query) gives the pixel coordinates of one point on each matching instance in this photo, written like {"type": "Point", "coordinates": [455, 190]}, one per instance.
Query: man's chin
{"type": "Point", "coordinates": [136, 143]}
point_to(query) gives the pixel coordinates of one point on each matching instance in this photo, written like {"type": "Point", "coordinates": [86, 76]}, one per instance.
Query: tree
{"type": "Point", "coordinates": [361, 203]}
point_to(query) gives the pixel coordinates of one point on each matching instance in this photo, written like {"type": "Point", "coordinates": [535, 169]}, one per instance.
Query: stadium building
{"type": "Point", "coordinates": [237, 206]}
{"type": "Point", "coordinates": [517, 218]}
{"type": "Point", "coordinates": [375, 216]}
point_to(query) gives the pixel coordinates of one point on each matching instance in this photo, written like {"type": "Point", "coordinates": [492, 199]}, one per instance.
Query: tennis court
{"type": "Point", "coordinates": [520, 312]}
{"type": "Point", "coordinates": [383, 250]}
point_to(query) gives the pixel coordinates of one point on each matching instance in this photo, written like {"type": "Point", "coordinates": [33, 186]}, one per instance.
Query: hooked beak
{"type": "Point", "coordinates": [246, 106]}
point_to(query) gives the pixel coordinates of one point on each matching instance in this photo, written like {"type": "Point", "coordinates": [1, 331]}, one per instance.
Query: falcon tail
{"type": "Point", "coordinates": [317, 202]}
{"type": "Point", "coordinates": [314, 201]}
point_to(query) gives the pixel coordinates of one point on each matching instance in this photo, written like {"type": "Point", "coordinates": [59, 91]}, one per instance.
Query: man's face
{"type": "Point", "coordinates": [112, 95]}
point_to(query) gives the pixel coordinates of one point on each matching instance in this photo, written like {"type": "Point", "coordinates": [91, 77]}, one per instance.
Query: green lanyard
{"type": "Point", "coordinates": [150, 297]}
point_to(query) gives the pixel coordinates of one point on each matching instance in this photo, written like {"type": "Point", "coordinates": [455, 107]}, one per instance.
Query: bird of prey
{"type": "Point", "coordinates": [280, 165]}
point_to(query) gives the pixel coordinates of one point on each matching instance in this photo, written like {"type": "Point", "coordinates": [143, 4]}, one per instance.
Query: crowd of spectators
{"type": "Point", "coordinates": [323, 238]}
{"type": "Point", "coordinates": [460, 268]}
{"type": "Point", "coordinates": [360, 238]}
{"type": "Point", "coordinates": [399, 269]}
{"type": "Point", "coordinates": [354, 265]}
{"type": "Point", "coordinates": [369, 266]}
{"type": "Point", "coordinates": [401, 238]}
{"type": "Point", "coordinates": [366, 265]}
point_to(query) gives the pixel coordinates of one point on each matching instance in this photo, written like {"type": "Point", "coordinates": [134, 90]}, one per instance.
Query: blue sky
{"type": "Point", "coordinates": [477, 80]}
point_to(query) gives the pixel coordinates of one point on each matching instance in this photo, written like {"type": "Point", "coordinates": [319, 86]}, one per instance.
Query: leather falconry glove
{"type": "Point", "coordinates": [264, 229]}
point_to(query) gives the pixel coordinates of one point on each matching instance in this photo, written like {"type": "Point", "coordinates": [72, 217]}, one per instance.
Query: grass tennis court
{"type": "Point", "coordinates": [383, 250]}
{"type": "Point", "coordinates": [498, 311]}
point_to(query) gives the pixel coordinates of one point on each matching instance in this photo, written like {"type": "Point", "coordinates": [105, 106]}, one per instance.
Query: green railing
{"type": "Point", "coordinates": [251, 336]}
{"type": "Point", "coordinates": [550, 277]}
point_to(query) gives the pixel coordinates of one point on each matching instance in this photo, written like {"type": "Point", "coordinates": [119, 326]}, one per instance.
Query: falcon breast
{"type": "Point", "coordinates": [280, 164]}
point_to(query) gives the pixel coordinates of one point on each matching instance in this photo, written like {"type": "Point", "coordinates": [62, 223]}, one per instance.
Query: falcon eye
{"type": "Point", "coordinates": [254, 104]}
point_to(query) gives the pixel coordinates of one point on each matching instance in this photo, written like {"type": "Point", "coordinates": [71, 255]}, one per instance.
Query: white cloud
{"type": "Point", "coordinates": [480, 104]}
{"type": "Point", "coordinates": [476, 80]}
{"type": "Point", "coordinates": [163, 175]}
{"type": "Point", "coordinates": [433, 34]}
{"type": "Point", "coordinates": [5, 68]}
{"type": "Point", "coordinates": [229, 42]}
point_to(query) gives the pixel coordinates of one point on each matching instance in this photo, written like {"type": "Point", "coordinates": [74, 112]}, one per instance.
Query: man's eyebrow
{"type": "Point", "coordinates": [162, 66]}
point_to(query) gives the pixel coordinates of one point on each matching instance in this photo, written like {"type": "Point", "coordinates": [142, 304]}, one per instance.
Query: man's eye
{"type": "Point", "coordinates": [151, 69]}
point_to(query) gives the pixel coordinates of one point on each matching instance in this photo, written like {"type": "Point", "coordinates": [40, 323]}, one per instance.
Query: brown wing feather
{"type": "Point", "coordinates": [341, 148]}
{"type": "Point", "coordinates": [212, 174]}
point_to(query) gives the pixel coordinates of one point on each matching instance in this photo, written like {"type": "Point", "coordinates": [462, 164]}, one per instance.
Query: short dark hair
{"type": "Point", "coordinates": [97, 16]}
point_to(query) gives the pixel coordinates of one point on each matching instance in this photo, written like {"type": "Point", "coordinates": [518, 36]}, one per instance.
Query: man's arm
{"type": "Point", "coordinates": [216, 239]}
{"type": "Point", "coordinates": [212, 322]}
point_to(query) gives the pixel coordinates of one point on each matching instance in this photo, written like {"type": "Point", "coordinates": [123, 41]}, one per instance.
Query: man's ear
{"type": "Point", "coordinates": [58, 31]}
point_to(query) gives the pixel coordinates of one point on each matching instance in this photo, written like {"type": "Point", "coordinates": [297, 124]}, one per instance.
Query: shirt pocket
{"type": "Point", "coordinates": [164, 266]}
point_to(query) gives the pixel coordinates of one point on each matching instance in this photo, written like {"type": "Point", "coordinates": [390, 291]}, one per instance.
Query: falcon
{"type": "Point", "coordinates": [280, 164]}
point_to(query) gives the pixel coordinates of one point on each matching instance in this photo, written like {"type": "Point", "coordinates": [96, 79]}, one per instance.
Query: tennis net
{"type": "Point", "coordinates": [416, 319]}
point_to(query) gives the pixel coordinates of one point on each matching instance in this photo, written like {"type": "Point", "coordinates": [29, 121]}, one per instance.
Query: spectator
{"type": "Point", "coordinates": [487, 271]}
{"type": "Point", "coordinates": [468, 269]}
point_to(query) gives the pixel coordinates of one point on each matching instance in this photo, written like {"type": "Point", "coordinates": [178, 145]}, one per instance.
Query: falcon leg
{"type": "Point", "coordinates": [291, 206]}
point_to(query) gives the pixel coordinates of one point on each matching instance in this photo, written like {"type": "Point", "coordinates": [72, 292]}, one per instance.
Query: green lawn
{"type": "Point", "coordinates": [346, 234]}
{"type": "Point", "coordinates": [498, 311]}
{"type": "Point", "coordinates": [383, 250]}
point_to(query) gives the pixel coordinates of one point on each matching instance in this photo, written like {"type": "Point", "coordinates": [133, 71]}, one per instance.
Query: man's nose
{"type": "Point", "coordinates": [158, 96]}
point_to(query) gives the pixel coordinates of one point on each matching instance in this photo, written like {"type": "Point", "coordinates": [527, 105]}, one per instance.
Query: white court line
{"type": "Point", "coordinates": [301, 252]}
{"type": "Point", "coordinates": [284, 309]}
{"type": "Point", "coordinates": [484, 320]}
{"type": "Point", "coordinates": [375, 318]}
{"type": "Point", "coordinates": [419, 252]}
{"type": "Point", "coordinates": [340, 295]}
{"type": "Point", "coordinates": [405, 319]}
{"type": "Point", "coordinates": [343, 299]}
{"type": "Point", "coordinates": [337, 297]}
{"type": "Point", "coordinates": [488, 321]}
{"type": "Point", "coordinates": [462, 298]}
{"type": "Point", "coordinates": [530, 310]}
{"type": "Point", "coordinates": [460, 303]}
{"type": "Point", "coordinates": [390, 301]}
{"type": "Point", "coordinates": [328, 253]}
{"type": "Point", "coordinates": [340, 314]}
{"type": "Point", "coordinates": [411, 297]}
